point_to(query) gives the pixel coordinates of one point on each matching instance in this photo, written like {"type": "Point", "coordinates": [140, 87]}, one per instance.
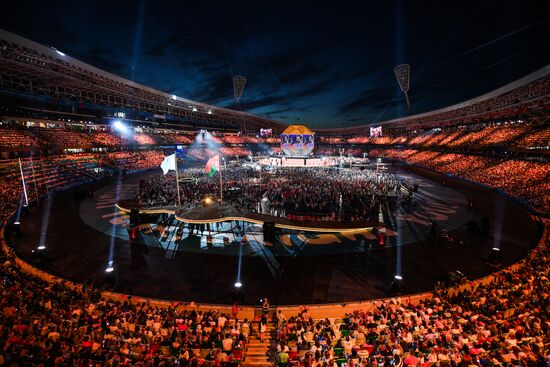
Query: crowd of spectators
{"type": "Point", "coordinates": [41, 176]}
{"type": "Point", "coordinates": [11, 138]}
{"type": "Point", "coordinates": [136, 161]}
{"type": "Point", "coordinates": [106, 139]}
{"type": "Point", "coordinates": [17, 137]}
{"type": "Point", "coordinates": [62, 171]}
{"type": "Point", "coordinates": [235, 151]}
{"type": "Point", "coordinates": [11, 196]}
{"type": "Point", "coordinates": [338, 194]}
{"type": "Point", "coordinates": [501, 323]}
{"type": "Point", "coordinates": [538, 139]}
{"type": "Point", "coordinates": [512, 133]}
{"type": "Point", "coordinates": [173, 137]}
{"type": "Point", "coordinates": [349, 194]}
{"type": "Point", "coordinates": [144, 139]}
{"type": "Point", "coordinates": [51, 324]}
{"type": "Point", "coordinates": [527, 179]}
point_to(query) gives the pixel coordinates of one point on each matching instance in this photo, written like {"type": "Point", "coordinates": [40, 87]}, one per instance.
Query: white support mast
{"type": "Point", "coordinates": [23, 182]}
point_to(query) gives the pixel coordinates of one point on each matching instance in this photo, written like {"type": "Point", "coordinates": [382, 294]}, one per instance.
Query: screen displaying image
{"type": "Point", "coordinates": [376, 132]}
{"type": "Point", "coordinates": [266, 133]}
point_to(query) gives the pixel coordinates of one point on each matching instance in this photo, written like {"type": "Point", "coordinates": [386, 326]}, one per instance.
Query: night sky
{"type": "Point", "coordinates": [319, 63]}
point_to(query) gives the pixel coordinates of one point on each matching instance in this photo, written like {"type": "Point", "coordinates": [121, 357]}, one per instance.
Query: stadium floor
{"type": "Point", "coordinates": [299, 268]}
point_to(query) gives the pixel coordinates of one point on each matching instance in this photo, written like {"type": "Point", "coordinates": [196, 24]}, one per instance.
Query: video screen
{"type": "Point", "coordinates": [376, 132]}
{"type": "Point", "coordinates": [297, 144]}
{"type": "Point", "coordinates": [266, 133]}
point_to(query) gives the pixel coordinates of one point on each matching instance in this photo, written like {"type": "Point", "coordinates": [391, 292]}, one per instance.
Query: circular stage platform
{"type": "Point", "coordinates": [171, 258]}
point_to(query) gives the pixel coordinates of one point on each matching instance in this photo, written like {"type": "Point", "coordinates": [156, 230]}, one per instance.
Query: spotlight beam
{"type": "Point", "coordinates": [238, 283]}
{"type": "Point", "coordinates": [45, 221]}
{"type": "Point", "coordinates": [110, 260]}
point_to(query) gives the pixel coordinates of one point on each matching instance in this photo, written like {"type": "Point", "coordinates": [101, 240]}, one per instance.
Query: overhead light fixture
{"type": "Point", "coordinates": [238, 285]}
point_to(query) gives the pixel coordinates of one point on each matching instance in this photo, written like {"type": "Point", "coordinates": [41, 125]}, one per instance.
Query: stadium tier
{"type": "Point", "coordinates": [107, 259]}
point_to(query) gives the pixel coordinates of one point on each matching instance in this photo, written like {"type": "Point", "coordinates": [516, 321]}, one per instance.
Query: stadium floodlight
{"type": "Point", "coordinates": [59, 52]}
{"type": "Point", "coordinates": [174, 97]}
{"type": "Point", "coordinates": [110, 267]}
{"type": "Point", "coordinates": [403, 73]}
{"type": "Point", "coordinates": [239, 82]}
{"type": "Point", "coordinates": [194, 109]}
{"type": "Point", "coordinates": [209, 111]}
{"type": "Point", "coordinates": [398, 277]}
{"type": "Point", "coordinates": [238, 285]}
{"type": "Point", "coordinates": [121, 127]}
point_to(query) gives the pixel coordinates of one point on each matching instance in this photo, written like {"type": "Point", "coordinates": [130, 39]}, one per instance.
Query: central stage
{"type": "Point", "coordinates": [214, 214]}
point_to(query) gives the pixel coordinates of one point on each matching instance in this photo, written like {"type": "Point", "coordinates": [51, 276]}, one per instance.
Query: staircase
{"type": "Point", "coordinates": [258, 353]}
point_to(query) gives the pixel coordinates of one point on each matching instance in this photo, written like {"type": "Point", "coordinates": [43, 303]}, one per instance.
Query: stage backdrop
{"type": "Point", "coordinates": [297, 140]}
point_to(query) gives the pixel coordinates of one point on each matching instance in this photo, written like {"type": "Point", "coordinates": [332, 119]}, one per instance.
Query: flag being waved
{"type": "Point", "coordinates": [169, 163]}
{"type": "Point", "coordinates": [213, 165]}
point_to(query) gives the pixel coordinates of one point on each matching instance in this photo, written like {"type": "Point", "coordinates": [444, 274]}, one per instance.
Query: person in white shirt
{"type": "Point", "coordinates": [227, 344]}
{"type": "Point", "coordinates": [348, 345]}
{"type": "Point", "coordinates": [221, 321]}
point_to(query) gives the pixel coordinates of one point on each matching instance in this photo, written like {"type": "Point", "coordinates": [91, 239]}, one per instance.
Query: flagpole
{"type": "Point", "coordinates": [221, 186]}
{"type": "Point", "coordinates": [177, 179]}
{"type": "Point", "coordinates": [23, 182]}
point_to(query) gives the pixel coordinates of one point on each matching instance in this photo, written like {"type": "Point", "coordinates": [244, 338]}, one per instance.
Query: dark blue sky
{"type": "Point", "coordinates": [326, 64]}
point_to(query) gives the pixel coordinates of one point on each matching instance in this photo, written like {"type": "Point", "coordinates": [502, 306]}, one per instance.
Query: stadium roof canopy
{"type": "Point", "coordinates": [30, 69]}
{"type": "Point", "coordinates": [529, 94]}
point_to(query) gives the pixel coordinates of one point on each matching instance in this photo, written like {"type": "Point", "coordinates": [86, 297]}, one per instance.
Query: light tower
{"type": "Point", "coordinates": [403, 73]}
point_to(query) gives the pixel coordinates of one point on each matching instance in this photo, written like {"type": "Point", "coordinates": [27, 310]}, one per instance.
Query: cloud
{"type": "Point", "coordinates": [263, 102]}
{"type": "Point", "coordinates": [277, 111]}
{"type": "Point", "coordinates": [105, 58]}
{"type": "Point", "coordinates": [368, 100]}
{"type": "Point", "coordinates": [303, 73]}
{"type": "Point", "coordinates": [315, 89]}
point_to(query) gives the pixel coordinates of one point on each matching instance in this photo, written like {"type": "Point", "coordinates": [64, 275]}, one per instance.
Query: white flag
{"type": "Point", "coordinates": [168, 163]}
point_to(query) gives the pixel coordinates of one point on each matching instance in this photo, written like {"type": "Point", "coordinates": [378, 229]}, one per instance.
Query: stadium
{"type": "Point", "coordinates": [142, 228]}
